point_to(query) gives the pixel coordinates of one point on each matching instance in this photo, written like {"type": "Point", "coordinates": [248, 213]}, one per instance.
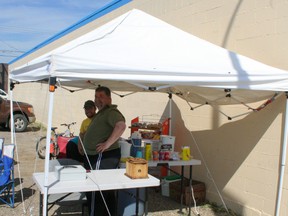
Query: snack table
{"type": "Point", "coordinates": [112, 179]}
{"type": "Point", "coordinates": [171, 163]}
{"type": "Point", "coordinates": [182, 163]}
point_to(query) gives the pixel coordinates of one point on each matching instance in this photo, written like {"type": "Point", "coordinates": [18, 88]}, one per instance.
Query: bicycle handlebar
{"type": "Point", "coordinates": [68, 125]}
{"type": "Point", "coordinates": [64, 124]}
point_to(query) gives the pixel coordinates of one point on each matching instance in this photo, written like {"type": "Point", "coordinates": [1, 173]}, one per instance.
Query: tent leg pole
{"type": "Point", "coordinates": [47, 156]}
{"type": "Point", "coordinates": [283, 159]}
{"type": "Point", "coordinates": [170, 113]}
{"type": "Point", "coordinates": [12, 125]}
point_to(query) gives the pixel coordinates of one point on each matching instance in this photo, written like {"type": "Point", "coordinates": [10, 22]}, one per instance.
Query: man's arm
{"type": "Point", "coordinates": [117, 132]}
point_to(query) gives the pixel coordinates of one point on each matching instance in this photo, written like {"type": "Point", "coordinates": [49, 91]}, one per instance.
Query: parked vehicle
{"type": "Point", "coordinates": [23, 113]}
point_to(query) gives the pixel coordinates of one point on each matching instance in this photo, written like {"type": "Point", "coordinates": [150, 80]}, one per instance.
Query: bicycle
{"type": "Point", "coordinates": [56, 138]}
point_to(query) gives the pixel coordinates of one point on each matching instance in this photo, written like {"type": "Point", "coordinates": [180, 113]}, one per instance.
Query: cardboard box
{"type": "Point", "coordinates": [137, 168]}
{"type": "Point", "coordinates": [70, 173]}
{"type": "Point", "coordinates": [199, 190]}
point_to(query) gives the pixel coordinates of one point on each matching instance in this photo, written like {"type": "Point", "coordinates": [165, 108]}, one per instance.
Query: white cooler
{"type": "Point", "coordinates": [70, 173]}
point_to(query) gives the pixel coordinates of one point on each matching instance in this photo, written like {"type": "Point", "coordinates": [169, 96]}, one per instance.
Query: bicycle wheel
{"type": "Point", "coordinates": [54, 151]}
{"type": "Point", "coordinates": [41, 147]}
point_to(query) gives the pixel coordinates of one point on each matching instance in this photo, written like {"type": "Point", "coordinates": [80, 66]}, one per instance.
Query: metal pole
{"type": "Point", "coordinates": [283, 160]}
{"type": "Point", "coordinates": [170, 113]}
{"type": "Point", "coordinates": [12, 125]}
{"type": "Point", "coordinates": [52, 83]}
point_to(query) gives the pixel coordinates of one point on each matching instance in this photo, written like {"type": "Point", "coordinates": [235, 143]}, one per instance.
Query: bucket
{"type": "Point", "coordinates": [167, 142]}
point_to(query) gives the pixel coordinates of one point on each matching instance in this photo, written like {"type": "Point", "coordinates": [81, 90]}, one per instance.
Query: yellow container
{"type": "Point", "coordinates": [148, 152]}
{"type": "Point", "coordinates": [186, 153]}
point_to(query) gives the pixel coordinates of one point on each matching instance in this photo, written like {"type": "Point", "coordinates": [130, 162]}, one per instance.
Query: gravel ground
{"type": "Point", "coordinates": [29, 163]}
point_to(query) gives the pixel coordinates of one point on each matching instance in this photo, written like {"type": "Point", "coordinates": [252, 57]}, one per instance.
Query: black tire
{"type": "Point", "coordinates": [20, 123]}
{"type": "Point", "coordinates": [41, 147]}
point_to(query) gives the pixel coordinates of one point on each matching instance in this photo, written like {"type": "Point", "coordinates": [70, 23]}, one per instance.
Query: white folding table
{"type": "Point", "coordinates": [112, 179]}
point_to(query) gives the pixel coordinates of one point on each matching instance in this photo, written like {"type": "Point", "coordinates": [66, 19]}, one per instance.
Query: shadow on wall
{"type": "Point", "coordinates": [226, 148]}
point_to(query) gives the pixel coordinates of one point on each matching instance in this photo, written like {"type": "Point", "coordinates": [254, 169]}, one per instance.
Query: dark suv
{"type": "Point", "coordinates": [23, 113]}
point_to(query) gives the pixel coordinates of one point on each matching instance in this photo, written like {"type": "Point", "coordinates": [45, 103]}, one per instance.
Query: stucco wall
{"type": "Point", "coordinates": [241, 155]}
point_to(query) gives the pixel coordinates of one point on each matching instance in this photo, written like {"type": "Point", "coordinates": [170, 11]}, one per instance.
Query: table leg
{"type": "Point", "coordinates": [190, 185]}
{"type": "Point", "coordinates": [146, 201]}
{"type": "Point", "coordinates": [137, 201]}
{"type": "Point", "coordinates": [181, 188]}
{"type": "Point", "coordinates": [117, 198]}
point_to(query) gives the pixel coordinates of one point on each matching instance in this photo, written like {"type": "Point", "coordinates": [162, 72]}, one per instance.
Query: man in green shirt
{"type": "Point", "coordinates": [101, 146]}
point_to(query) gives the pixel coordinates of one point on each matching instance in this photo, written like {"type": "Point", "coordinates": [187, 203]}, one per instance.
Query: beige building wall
{"type": "Point", "coordinates": [240, 157]}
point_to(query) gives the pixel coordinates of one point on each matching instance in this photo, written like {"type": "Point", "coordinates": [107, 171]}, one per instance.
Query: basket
{"type": "Point", "coordinates": [136, 168]}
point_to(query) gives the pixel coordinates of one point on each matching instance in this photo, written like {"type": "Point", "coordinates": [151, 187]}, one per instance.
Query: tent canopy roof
{"type": "Point", "coordinates": [138, 52]}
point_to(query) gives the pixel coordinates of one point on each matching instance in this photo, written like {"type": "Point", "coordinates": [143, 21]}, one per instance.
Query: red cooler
{"type": "Point", "coordinates": [62, 142]}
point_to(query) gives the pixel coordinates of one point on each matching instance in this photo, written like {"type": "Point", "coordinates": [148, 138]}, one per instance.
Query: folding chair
{"type": "Point", "coordinates": [7, 192]}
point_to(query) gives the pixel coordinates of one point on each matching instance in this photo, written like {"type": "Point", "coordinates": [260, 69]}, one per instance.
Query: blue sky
{"type": "Point", "coordinates": [25, 24]}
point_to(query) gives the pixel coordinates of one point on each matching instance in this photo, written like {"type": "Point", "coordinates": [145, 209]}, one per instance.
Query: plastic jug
{"type": "Point", "coordinates": [186, 153]}
{"type": "Point", "coordinates": [136, 143]}
{"type": "Point", "coordinates": [125, 148]}
{"type": "Point", "coordinates": [148, 151]}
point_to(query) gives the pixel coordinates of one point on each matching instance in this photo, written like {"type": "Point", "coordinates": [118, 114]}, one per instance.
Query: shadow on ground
{"type": "Point", "coordinates": [27, 192]}
{"type": "Point", "coordinates": [30, 128]}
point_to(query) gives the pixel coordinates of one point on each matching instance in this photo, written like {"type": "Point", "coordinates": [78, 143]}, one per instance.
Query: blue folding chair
{"type": "Point", "coordinates": [7, 193]}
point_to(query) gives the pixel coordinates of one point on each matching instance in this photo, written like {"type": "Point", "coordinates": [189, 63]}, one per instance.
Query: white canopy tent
{"type": "Point", "coordinates": [138, 52]}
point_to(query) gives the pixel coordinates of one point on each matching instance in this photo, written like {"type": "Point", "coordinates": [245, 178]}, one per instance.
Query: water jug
{"type": "Point", "coordinates": [136, 146]}
{"type": "Point", "coordinates": [136, 143]}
